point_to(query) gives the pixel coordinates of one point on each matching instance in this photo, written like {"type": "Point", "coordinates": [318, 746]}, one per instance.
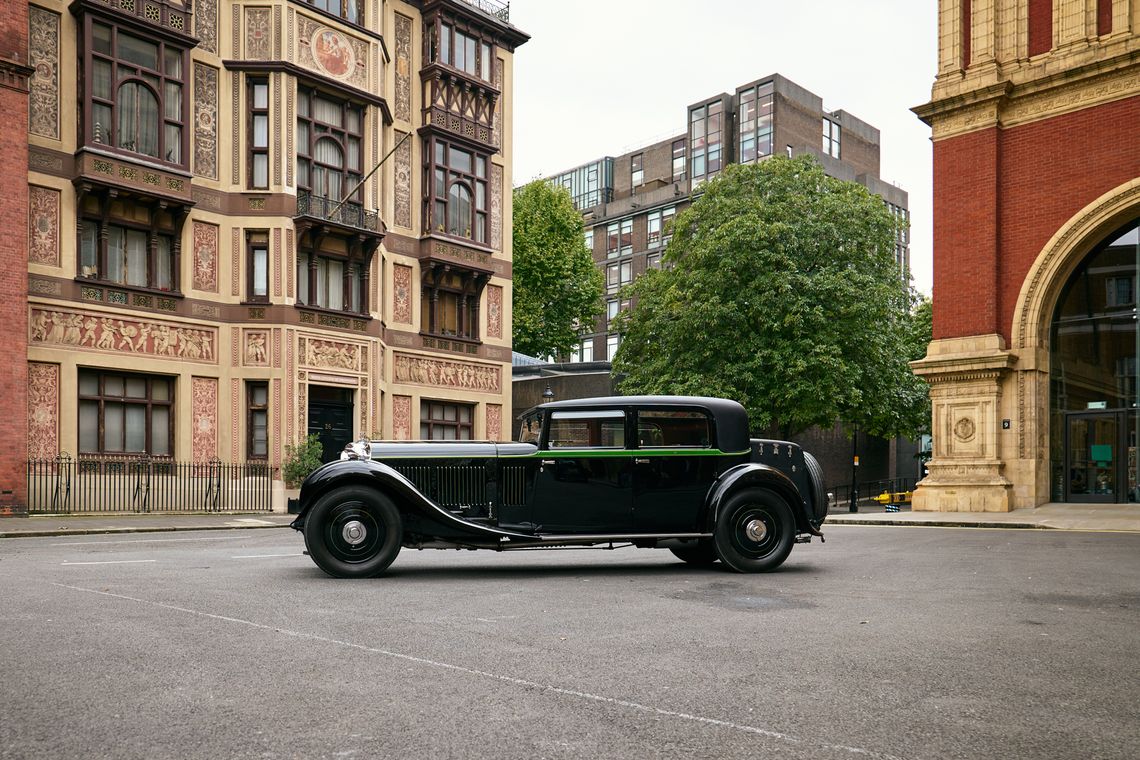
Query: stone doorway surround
{"type": "Point", "coordinates": [990, 401]}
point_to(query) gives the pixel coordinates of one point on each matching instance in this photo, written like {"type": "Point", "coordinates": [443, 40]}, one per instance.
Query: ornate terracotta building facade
{"type": "Point", "coordinates": [1036, 204]}
{"type": "Point", "coordinates": [247, 222]}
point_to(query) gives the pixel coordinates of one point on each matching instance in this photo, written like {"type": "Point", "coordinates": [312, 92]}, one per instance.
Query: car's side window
{"type": "Point", "coordinates": [587, 430]}
{"type": "Point", "coordinates": [660, 429]}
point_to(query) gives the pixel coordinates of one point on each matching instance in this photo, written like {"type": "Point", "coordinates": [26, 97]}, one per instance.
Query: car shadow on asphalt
{"type": "Point", "coordinates": [516, 572]}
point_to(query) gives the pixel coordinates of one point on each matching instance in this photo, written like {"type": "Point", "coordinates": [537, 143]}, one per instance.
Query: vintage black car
{"type": "Point", "coordinates": [674, 472]}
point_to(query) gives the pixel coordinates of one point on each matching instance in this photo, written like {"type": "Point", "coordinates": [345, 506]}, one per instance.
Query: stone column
{"type": "Point", "coordinates": [966, 471]}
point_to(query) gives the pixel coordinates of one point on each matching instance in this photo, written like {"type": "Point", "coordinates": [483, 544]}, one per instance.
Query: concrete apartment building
{"type": "Point", "coordinates": [1033, 369]}
{"type": "Point", "coordinates": [629, 201]}
{"type": "Point", "coordinates": [203, 264]}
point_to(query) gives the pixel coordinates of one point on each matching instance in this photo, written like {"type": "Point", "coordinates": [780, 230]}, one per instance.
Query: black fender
{"type": "Point", "coordinates": [408, 499]}
{"type": "Point", "coordinates": [751, 474]}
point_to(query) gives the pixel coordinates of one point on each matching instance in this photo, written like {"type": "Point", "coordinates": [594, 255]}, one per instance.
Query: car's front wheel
{"type": "Point", "coordinates": [353, 532]}
{"type": "Point", "coordinates": [754, 531]}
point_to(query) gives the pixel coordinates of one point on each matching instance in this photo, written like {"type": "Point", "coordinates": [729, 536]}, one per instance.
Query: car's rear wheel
{"type": "Point", "coordinates": [700, 553]}
{"type": "Point", "coordinates": [353, 532]}
{"type": "Point", "coordinates": [754, 531]}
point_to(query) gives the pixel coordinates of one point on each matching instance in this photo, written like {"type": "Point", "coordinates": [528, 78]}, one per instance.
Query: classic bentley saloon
{"type": "Point", "coordinates": [668, 472]}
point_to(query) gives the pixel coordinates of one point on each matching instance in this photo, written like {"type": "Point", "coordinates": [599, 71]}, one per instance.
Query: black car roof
{"type": "Point", "coordinates": [730, 417]}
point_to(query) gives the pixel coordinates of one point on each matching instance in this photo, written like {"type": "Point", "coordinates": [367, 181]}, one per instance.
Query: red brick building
{"type": "Point", "coordinates": [1036, 203]}
{"type": "Point", "coordinates": [14, 74]}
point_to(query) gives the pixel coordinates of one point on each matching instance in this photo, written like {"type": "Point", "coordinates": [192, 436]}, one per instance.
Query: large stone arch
{"type": "Point", "coordinates": [1027, 451]}
{"type": "Point", "coordinates": [1061, 255]}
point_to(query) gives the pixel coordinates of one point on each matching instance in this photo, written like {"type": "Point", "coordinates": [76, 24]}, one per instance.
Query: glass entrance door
{"type": "Point", "coordinates": [1095, 467]}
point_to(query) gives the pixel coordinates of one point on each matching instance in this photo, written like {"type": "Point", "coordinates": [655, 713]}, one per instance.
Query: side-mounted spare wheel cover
{"type": "Point", "coordinates": [819, 505]}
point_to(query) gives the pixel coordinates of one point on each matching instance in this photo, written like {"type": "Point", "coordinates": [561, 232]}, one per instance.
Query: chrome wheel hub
{"type": "Point", "coordinates": [756, 530]}
{"type": "Point", "coordinates": [354, 532]}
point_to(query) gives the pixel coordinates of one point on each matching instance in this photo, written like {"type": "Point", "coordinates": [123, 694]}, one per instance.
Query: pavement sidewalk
{"type": "Point", "coordinates": [1086, 517]}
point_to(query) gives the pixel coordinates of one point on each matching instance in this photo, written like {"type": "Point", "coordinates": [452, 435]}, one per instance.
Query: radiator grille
{"type": "Point", "coordinates": [514, 485]}
{"type": "Point", "coordinates": [449, 486]}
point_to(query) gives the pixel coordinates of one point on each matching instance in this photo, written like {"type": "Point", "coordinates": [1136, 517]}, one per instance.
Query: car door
{"type": "Point", "coordinates": [674, 468]}
{"type": "Point", "coordinates": [584, 482]}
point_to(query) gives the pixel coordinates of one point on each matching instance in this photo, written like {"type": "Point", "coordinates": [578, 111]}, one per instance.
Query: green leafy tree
{"type": "Point", "coordinates": [780, 291]}
{"type": "Point", "coordinates": [557, 288]}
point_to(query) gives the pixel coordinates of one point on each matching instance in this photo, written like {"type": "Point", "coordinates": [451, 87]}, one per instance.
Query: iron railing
{"type": "Point", "coordinates": [591, 198]}
{"type": "Point", "coordinates": [501, 11]}
{"type": "Point", "coordinates": [63, 485]}
{"type": "Point", "coordinates": [867, 491]}
{"type": "Point", "coordinates": [349, 214]}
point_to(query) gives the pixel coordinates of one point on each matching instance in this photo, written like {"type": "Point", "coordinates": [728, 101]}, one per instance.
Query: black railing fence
{"type": "Point", "coordinates": [867, 491]}
{"type": "Point", "coordinates": [63, 485]}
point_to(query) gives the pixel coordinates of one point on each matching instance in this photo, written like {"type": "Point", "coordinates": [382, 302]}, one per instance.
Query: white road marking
{"type": "Point", "coordinates": [548, 688]}
{"type": "Point", "coordinates": [250, 521]}
{"type": "Point", "coordinates": [111, 562]}
{"type": "Point", "coordinates": [145, 541]}
{"type": "Point", "coordinates": [260, 556]}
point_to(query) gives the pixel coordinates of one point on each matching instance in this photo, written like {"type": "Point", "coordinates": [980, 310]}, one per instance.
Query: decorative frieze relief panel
{"type": "Point", "coordinates": [204, 400]}
{"type": "Point", "coordinates": [402, 418]}
{"type": "Point", "coordinates": [402, 294]}
{"type": "Point", "coordinates": [332, 52]}
{"type": "Point", "coordinates": [206, 24]}
{"type": "Point", "coordinates": [496, 207]}
{"type": "Point", "coordinates": [205, 121]}
{"type": "Point", "coordinates": [403, 188]}
{"type": "Point", "coordinates": [494, 422]}
{"type": "Point", "coordinates": [256, 353]}
{"type": "Point", "coordinates": [58, 327]}
{"type": "Point", "coordinates": [43, 410]}
{"type": "Point", "coordinates": [205, 257]}
{"type": "Point", "coordinates": [43, 54]}
{"type": "Point", "coordinates": [421, 370]}
{"type": "Point", "coordinates": [43, 226]}
{"type": "Point", "coordinates": [258, 34]}
{"type": "Point", "coordinates": [403, 68]}
{"type": "Point", "coordinates": [494, 311]}
{"type": "Point", "coordinates": [332, 354]}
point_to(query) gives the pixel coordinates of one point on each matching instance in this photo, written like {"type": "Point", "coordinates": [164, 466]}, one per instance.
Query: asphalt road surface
{"type": "Point", "coordinates": [882, 643]}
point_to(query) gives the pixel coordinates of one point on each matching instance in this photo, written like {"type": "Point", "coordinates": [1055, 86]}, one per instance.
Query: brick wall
{"type": "Point", "coordinates": [13, 255]}
{"type": "Point", "coordinates": [997, 203]}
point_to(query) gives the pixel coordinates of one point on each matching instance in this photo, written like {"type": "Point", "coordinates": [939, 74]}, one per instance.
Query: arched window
{"type": "Point", "coordinates": [138, 118]}
{"type": "Point", "coordinates": [459, 210]}
{"type": "Point", "coordinates": [328, 168]}
{"type": "Point", "coordinates": [135, 94]}
{"type": "Point", "coordinates": [458, 179]}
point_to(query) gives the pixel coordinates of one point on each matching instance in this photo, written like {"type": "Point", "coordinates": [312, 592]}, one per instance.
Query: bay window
{"type": "Point", "coordinates": [458, 191]}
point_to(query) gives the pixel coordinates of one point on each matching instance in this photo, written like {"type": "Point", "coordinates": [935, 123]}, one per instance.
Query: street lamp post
{"type": "Point", "coordinates": [547, 395]}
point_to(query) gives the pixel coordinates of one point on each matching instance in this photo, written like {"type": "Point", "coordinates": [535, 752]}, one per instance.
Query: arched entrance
{"type": "Point", "coordinates": [1093, 349]}
{"type": "Point", "coordinates": [1076, 348]}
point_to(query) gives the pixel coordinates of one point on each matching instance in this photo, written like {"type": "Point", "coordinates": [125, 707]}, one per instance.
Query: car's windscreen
{"type": "Point", "coordinates": [673, 429]}
{"type": "Point", "coordinates": [587, 430]}
{"type": "Point", "coordinates": [531, 428]}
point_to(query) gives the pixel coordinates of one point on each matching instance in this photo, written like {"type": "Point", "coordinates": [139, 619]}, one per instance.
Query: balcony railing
{"type": "Point", "coordinates": [349, 214]}
{"type": "Point", "coordinates": [501, 11]}
{"type": "Point", "coordinates": [593, 198]}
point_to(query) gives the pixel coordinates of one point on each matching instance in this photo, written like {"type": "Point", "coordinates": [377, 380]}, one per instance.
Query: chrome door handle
{"type": "Point", "coordinates": [641, 461]}
{"type": "Point", "coordinates": [548, 461]}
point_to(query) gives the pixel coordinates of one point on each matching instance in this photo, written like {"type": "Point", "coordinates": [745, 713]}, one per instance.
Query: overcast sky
{"type": "Point", "coordinates": [601, 77]}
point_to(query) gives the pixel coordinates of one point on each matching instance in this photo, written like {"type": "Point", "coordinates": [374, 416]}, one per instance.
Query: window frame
{"type": "Point", "coordinates": [832, 138]}
{"type": "Point", "coordinates": [255, 241]}
{"type": "Point", "coordinates": [102, 266]}
{"type": "Point", "coordinates": [315, 130]}
{"type": "Point", "coordinates": [444, 35]}
{"type": "Point", "coordinates": [251, 409]}
{"type": "Point", "coordinates": [457, 424]}
{"type": "Point", "coordinates": [309, 263]}
{"type": "Point", "coordinates": [153, 80]}
{"type": "Point", "coordinates": [256, 151]}
{"type": "Point", "coordinates": [761, 97]}
{"type": "Point", "coordinates": [343, 13]}
{"type": "Point", "coordinates": [101, 398]}
{"type": "Point", "coordinates": [438, 159]}
{"type": "Point", "coordinates": [637, 170]}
